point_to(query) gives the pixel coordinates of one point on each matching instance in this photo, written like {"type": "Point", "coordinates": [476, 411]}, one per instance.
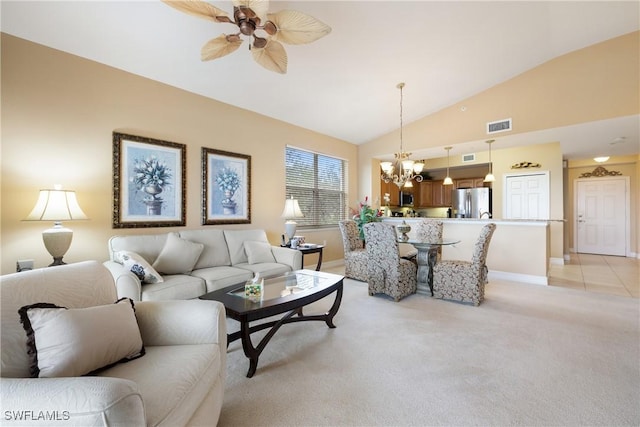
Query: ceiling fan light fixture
{"type": "Point", "coordinates": [286, 26]}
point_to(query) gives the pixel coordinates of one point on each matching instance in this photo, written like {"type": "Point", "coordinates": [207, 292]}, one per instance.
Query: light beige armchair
{"type": "Point", "coordinates": [355, 256]}
{"type": "Point", "coordinates": [464, 280]}
{"type": "Point", "coordinates": [388, 273]}
{"type": "Point", "coordinates": [179, 380]}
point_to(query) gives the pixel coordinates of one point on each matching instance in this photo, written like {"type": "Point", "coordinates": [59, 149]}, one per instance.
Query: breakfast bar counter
{"type": "Point", "coordinates": [519, 249]}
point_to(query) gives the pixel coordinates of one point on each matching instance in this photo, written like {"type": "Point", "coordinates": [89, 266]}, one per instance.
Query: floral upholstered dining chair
{"type": "Point", "coordinates": [355, 256]}
{"type": "Point", "coordinates": [388, 273]}
{"type": "Point", "coordinates": [430, 230]}
{"type": "Point", "coordinates": [464, 280]}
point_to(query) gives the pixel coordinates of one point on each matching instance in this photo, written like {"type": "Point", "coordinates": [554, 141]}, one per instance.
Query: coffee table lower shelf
{"type": "Point", "coordinates": [246, 311]}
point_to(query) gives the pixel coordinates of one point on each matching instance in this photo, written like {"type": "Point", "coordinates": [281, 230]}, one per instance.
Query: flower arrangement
{"type": "Point", "coordinates": [366, 214]}
{"type": "Point", "coordinates": [227, 180]}
{"type": "Point", "coordinates": [150, 172]}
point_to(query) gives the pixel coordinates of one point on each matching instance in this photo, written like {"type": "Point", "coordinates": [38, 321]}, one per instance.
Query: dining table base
{"type": "Point", "coordinates": [426, 259]}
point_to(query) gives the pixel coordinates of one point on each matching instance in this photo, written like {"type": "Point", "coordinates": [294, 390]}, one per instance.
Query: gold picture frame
{"type": "Point", "coordinates": [149, 182]}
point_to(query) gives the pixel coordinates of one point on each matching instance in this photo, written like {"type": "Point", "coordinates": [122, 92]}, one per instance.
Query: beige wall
{"type": "Point", "coordinates": [595, 83]}
{"type": "Point", "coordinates": [58, 115]}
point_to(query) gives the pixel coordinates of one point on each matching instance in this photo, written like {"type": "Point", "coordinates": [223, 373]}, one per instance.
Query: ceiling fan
{"type": "Point", "coordinates": [251, 17]}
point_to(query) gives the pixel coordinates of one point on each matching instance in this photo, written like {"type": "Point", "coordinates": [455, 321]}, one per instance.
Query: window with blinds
{"type": "Point", "coordinates": [319, 183]}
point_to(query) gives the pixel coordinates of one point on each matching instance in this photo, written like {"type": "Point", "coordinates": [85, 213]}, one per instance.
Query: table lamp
{"type": "Point", "coordinates": [290, 212]}
{"type": "Point", "coordinates": [57, 205]}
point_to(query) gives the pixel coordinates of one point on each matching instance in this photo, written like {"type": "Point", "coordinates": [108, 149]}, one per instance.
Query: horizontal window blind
{"type": "Point", "coordinates": [319, 184]}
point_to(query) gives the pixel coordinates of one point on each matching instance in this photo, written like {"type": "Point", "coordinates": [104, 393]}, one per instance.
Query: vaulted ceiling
{"type": "Point", "coordinates": [343, 85]}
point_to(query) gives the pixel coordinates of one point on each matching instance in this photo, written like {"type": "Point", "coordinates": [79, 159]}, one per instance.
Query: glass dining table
{"type": "Point", "coordinates": [428, 257]}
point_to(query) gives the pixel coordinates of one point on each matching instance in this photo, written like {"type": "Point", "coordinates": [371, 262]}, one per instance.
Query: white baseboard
{"type": "Point", "coordinates": [517, 277]}
{"type": "Point", "coordinates": [558, 261]}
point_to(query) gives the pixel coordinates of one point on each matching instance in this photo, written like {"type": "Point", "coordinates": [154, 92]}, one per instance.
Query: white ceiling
{"type": "Point", "coordinates": [344, 85]}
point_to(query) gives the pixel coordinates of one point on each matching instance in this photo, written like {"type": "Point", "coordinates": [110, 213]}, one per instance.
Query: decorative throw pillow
{"type": "Point", "coordinates": [70, 342]}
{"type": "Point", "coordinates": [178, 256]}
{"type": "Point", "coordinates": [138, 266]}
{"type": "Point", "coordinates": [258, 252]}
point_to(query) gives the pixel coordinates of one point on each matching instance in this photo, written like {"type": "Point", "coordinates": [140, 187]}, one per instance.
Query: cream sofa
{"type": "Point", "coordinates": [191, 263]}
{"type": "Point", "coordinates": [179, 381]}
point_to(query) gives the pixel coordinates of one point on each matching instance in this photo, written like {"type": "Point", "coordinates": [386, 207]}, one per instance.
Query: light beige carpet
{"type": "Point", "coordinates": [529, 355]}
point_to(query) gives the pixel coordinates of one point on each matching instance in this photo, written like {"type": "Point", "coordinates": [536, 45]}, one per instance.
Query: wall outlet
{"type": "Point", "coordinates": [24, 265]}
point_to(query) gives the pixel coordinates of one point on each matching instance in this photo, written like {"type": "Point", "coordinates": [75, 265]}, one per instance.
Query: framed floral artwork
{"type": "Point", "coordinates": [149, 182]}
{"type": "Point", "coordinates": [226, 187]}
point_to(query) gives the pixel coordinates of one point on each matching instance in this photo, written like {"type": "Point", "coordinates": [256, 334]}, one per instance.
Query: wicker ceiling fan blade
{"type": "Point", "coordinates": [295, 27]}
{"type": "Point", "coordinates": [273, 57]}
{"type": "Point", "coordinates": [220, 46]}
{"type": "Point", "coordinates": [259, 7]}
{"type": "Point", "coordinates": [200, 9]}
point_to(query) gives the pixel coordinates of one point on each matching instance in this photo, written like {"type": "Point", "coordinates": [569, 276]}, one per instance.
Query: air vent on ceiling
{"type": "Point", "coordinates": [466, 158]}
{"type": "Point", "coordinates": [503, 125]}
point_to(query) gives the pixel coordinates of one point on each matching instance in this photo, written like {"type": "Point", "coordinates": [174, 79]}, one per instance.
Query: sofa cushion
{"type": "Point", "coordinates": [266, 269]}
{"type": "Point", "coordinates": [235, 241]}
{"type": "Point", "coordinates": [138, 266]}
{"type": "Point", "coordinates": [148, 246]}
{"type": "Point", "coordinates": [72, 342]}
{"type": "Point", "coordinates": [215, 252]}
{"type": "Point", "coordinates": [173, 380]}
{"type": "Point", "coordinates": [220, 277]}
{"type": "Point", "coordinates": [175, 286]}
{"type": "Point", "coordinates": [178, 256]}
{"type": "Point", "coordinates": [258, 252]}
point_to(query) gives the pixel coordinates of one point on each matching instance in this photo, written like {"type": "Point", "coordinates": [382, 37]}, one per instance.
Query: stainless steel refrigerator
{"type": "Point", "coordinates": [471, 202]}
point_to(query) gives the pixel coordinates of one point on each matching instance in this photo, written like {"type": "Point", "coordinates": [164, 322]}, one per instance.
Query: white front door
{"type": "Point", "coordinates": [601, 215]}
{"type": "Point", "coordinates": [527, 196]}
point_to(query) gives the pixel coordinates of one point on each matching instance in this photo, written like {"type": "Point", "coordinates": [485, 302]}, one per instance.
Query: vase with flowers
{"type": "Point", "coordinates": [364, 215]}
{"type": "Point", "coordinates": [228, 182]}
{"type": "Point", "coordinates": [151, 175]}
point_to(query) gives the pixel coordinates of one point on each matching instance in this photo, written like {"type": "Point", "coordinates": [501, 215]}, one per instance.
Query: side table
{"type": "Point", "coordinates": [317, 250]}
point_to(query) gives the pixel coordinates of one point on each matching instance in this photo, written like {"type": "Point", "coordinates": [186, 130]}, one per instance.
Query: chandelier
{"type": "Point", "coordinates": [402, 170]}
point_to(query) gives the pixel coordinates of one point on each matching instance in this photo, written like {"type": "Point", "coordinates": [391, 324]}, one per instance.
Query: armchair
{"type": "Point", "coordinates": [179, 381]}
{"type": "Point", "coordinates": [388, 273]}
{"type": "Point", "coordinates": [355, 256]}
{"type": "Point", "coordinates": [464, 280]}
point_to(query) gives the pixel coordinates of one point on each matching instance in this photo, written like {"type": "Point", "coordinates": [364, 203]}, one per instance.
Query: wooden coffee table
{"type": "Point", "coordinates": [285, 294]}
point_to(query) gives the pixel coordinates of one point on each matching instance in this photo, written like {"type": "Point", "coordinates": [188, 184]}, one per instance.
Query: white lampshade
{"type": "Point", "coordinates": [489, 177]}
{"type": "Point", "coordinates": [418, 167]}
{"type": "Point", "coordinates": [448, 181]}
{"type": "Point", "coordinates": [57, 205]}
{"type": "Point", "coordinates": [291, 210]}
{"type": "Point", "coordinates": [386, 166]}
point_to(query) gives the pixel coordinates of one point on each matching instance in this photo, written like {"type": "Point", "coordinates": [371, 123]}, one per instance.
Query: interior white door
{"type": "Point", "coordinates": [601, 216]}
{"type": "Point", "coordinates": [527, 196]}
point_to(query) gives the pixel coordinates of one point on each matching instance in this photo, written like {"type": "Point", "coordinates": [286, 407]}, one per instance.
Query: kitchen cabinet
{"type": "Point", "coordinates": [441, 194]}
{"type": "Point", "coordinates": [470, 183]}
{"type": "Point", "coordinates": [424, 194]}
{"type": "Point", "coordinates": [394, 193]}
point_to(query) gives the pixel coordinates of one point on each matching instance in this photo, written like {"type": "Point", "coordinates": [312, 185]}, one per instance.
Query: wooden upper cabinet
{"type": "Point", "coordinates": [441, 194]}
{"type": "Point", "coordinates": [424, 194]}
{"type": "Point", "coordinates": [479, 182]}
{"type": "Point", "coordinates": [465, 183]}
{"type": "Point", "coordinates": [394, 193]}
{"type": "Point", "coordinates": [469, 183]}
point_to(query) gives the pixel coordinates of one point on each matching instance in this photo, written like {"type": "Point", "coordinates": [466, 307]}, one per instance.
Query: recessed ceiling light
{"type": "Point", "coordinates": [601, 159]}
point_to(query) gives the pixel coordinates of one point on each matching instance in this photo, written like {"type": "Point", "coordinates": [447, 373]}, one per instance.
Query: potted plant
{"type": "Point", "coordinates": [364, 215]}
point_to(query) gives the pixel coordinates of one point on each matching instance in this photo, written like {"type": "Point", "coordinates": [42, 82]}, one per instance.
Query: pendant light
{"type": "Point", "coordinates": [403, 170]}
{"type": "Point", "coordinates": [447, 180]}
{"type": "Point", "coordinates": [489, 177]}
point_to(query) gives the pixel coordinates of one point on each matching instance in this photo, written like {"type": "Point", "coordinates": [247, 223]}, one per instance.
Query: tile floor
{"type": "Point", "coordinates": [597, 273]}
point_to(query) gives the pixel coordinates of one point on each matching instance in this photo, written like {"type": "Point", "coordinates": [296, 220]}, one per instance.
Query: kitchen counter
{"type": "Point", "coordinates": [519, 249]}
